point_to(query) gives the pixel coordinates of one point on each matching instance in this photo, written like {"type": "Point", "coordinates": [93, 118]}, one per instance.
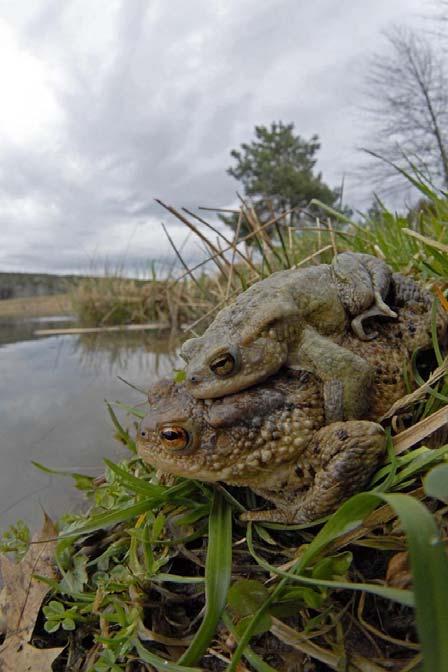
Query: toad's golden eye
{"type": "Point", "coordinates": [174, 438]}
{"type": "Point", "coordinates": [224, 364]}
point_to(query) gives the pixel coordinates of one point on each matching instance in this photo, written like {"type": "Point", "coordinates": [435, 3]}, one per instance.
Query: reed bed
{"type": "Point", "coordinates": [108, 301]}
{"type": "Point", "coordinates": [36, 306]}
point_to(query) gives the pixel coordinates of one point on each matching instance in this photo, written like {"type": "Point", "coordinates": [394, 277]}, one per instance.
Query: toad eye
{"type": "Point", "coordinates": [174, 438]}
{"type": "Point", "coordinates": [224, 364]}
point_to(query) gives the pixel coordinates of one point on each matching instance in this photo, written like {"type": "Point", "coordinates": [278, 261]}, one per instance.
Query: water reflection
{"type": "Point", "coordinates": [112, 350]}
{"type": "Point", "coordinates": [13, 330]}
{"type": "Point", "coordinates": [52, 410]}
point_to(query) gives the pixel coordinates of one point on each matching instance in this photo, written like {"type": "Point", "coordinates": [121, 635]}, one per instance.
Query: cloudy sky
{"type": "Point", "coordinates": [108, 104]}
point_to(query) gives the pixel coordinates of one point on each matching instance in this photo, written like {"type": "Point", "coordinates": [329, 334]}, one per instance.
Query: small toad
{"type": "Point", "coordinates": [297, 318]}
{"type": "Point", "coordinates": [270, 437]}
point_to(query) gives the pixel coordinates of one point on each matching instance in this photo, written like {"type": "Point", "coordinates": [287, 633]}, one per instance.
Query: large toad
{"type": "Point", "coordinates": [299, 318]}
{"type": "Point", "coordinates": [270, 437]}
{"type": "Point", "coordinates": [274, 437]}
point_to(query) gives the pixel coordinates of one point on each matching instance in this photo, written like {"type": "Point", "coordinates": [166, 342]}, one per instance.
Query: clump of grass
{"type": "Point", "coordinates": [414, 243]}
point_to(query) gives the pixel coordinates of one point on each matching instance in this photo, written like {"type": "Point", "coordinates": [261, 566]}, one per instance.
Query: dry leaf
{"type": "Point", "coordinates": [398, 572]}
{"type": "Point", "coordinates": [17, 656]}
{"type": "Point", "coordinates": [441, 296]}
{"type": "Point", "coordinates": [421, 430]}
{"type": "Point", "coordinates": [3, 600]}
{"type": "Point", "coordinates": [23, 597]}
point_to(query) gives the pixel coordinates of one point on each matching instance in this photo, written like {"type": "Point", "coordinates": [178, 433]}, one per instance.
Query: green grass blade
{"type": "Point", "coordinates": [404, 597]}
{"type": "Point", "coordinates": [121, 432]}
{"type": "Point", "coordinates": [349, 516]}
{"type": "Point", "coordinates": [218, 569]}
{"type": "Point", "coordinates": [435, 340]}
{"type": "Point", "coordinates": [161, 663]}
{"type": "Point", "coordinates": [61, 472]}
{"type": "Point", "coordinates": [137, 485]}
{"type": "Point", "coordinates": [435, 483]}
{"type": "Point", "coordinates": [420, 463]}
{"type": "Point", "coordinates": [429, 566]}
{"type": "Point", "coordinates": [391, 468]}
{"type": "Point", "coordinates": [336, 214]}
{"type": "Point", "coordinates": [132, 410]}
{"type": "Point", "coordinates": [108, 519]}
{"type": "Point", "coordinates": [253, 658]}
{"type": "Point", "coordinates": [418, 184]}
{"type": "Point", "coordinates": [175, 578]}
{"type": "Point", "coordinates": [121, 514]}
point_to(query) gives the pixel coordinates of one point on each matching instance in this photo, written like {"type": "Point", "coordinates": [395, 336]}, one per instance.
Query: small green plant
{"type": "Point", "coordinates": [16, 539]}
{"type": "Point", "coordinates": [59, 617]}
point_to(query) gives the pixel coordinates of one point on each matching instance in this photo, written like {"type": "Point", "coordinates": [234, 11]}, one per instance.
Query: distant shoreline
{"type": "Point", "coordinates": [24, 285]}
{"type": "Point", "coordinates": [15, 285]}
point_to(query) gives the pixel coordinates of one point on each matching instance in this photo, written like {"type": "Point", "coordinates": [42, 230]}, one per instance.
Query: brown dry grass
{"type": "Point", "coordinates": [36, 306]}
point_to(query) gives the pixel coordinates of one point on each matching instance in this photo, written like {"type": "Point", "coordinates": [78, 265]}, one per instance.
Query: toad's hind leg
{"type": "Point", "coordinates": [363, 283]}
{"type": "Point", "coordinates": [344, 455]}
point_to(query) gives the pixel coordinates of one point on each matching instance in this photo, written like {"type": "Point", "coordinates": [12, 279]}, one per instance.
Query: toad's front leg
{"type": "Point", "coordinates": [348, 454]}
{"type": "Point", "coordinates": [334, 364]}
{"type": "Point", "coordinates": [344, 456]}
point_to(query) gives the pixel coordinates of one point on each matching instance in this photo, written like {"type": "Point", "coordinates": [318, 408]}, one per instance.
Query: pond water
{"type": "Point", "coordinates": [52, 409]}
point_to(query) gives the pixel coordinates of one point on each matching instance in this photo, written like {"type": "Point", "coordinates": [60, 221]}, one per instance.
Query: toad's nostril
{"type": "Point", "coordinates": [194, 378]}
{"type": "Point", "coordinates": [144, 433]}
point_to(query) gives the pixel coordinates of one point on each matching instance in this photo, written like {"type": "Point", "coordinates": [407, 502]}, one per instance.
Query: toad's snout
{"type": "Point", "coordinates": [145, 428]}
{"type": "Point", "coordinates": [143, 432]}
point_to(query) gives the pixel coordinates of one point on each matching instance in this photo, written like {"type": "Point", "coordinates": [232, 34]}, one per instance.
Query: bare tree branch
{"type": "Point", "coordinates": [408, 92]}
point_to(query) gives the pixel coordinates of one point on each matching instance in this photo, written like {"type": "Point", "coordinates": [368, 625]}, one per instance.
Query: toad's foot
{"type": "Point", "coordinates": [346, 454]}
{"type": "Point", "coordinates": [379, 309]}
{"type": "Point", "coordinates": [383, 307]}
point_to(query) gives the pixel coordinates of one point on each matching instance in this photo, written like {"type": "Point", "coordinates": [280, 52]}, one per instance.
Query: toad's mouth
{"type": "Point", "coordinates": [178, 467]}
{"type": "Point", "coordinates": [188, 467]}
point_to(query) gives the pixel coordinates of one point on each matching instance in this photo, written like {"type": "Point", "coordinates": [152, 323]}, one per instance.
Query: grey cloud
{"type": "Point", "coordinates": [153, 96]}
